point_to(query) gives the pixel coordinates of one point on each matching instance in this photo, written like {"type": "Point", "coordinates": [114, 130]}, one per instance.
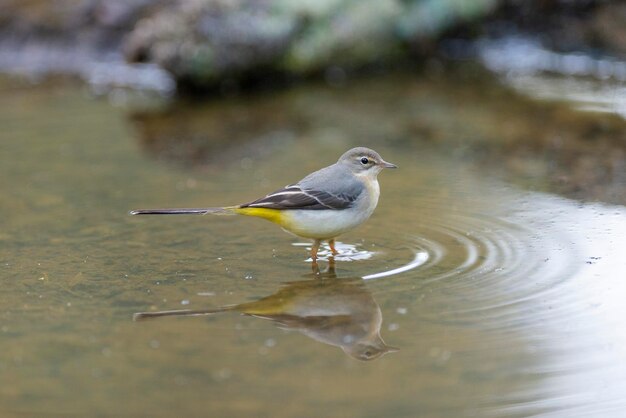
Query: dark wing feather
{"type": "Point", "coordinates": [294, 197]}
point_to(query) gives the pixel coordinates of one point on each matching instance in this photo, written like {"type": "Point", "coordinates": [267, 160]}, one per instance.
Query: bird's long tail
{"type": "Point", "coordinates": [140, 316]}
{"type": "Point", "coordinates": [186, 211]}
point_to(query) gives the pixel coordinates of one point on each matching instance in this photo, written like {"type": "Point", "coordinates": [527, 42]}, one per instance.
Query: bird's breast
{"type": "Point", "coordinates": [326, 224]}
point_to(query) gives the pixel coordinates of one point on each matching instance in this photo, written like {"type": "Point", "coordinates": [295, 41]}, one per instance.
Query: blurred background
{"type": "Point", "coordinates": [225, 46]}
{"type": "Point", "coordinates": [569, 51]}
{"type": "Point", "coordinates": [494, 261]}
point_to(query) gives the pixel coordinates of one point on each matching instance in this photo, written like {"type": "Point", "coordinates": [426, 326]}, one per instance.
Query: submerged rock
{"type": "Point", "coordinates": [577, 154]}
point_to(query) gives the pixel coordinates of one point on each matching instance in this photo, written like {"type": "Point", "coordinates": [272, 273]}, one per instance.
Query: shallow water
{"type": "Point", "coordinates": [491, 300]}
{"type": "Point", "coordinates": [586, 82]}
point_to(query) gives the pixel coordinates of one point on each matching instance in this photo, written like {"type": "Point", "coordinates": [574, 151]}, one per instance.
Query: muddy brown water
{"type": "Point", "coordinates": [471, 293]}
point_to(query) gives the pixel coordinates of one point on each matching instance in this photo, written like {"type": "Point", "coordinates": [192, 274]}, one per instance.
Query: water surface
{"type": "Point", "coordinates": [492, 297]}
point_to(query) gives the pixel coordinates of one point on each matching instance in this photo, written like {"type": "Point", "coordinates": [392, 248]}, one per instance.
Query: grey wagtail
{"type": "Point", "coordinates": [321, 206]}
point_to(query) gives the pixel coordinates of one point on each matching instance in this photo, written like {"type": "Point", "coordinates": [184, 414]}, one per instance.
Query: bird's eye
{"type": "Point", "coordinates": [364, 160]}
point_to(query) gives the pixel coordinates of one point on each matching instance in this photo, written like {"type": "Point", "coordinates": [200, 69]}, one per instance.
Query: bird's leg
{"type": "Point", "coordinates": [314, 248]}
{"type": "Point", "coordinates": [331, 244]}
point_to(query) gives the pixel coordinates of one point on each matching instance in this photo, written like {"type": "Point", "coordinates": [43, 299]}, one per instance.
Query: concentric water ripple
{"type": "Point", "coordinates": [541, 284]}
{"type": "Point", "coordinates": [486, 265]}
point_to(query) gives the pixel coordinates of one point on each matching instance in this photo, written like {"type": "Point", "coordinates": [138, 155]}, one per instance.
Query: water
{"type": "Point", "coordinates": [598, 84]}
{"type": "Point", "coordinates": [489, 296]}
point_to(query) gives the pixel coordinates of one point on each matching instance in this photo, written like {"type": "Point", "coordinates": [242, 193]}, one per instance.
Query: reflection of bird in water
{"type": "Point", "coordinates": [339, 312]}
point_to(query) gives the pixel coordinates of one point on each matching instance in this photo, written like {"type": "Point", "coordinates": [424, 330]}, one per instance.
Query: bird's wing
{"type": "Point", "coordinates": [295, 196]}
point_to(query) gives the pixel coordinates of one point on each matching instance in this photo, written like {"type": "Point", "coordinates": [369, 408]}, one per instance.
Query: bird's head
{"type": "Point", "coordinates": [363, 160]}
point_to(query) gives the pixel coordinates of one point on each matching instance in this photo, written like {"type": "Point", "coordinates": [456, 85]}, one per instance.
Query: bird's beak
{"type": "Point", "coordinates": [385, 164]}
{"type": "Point", "coordinates": [390, 349]}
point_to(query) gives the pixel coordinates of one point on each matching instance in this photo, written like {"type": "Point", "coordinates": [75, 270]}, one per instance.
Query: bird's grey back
{"type": "Point", "coordinates": [336, 179]}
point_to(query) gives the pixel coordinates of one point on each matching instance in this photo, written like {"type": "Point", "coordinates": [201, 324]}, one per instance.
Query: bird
{"type": "Point", "coordinates": [338, 312]}
{"type": "Point", "coordinates": [321, 206]}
